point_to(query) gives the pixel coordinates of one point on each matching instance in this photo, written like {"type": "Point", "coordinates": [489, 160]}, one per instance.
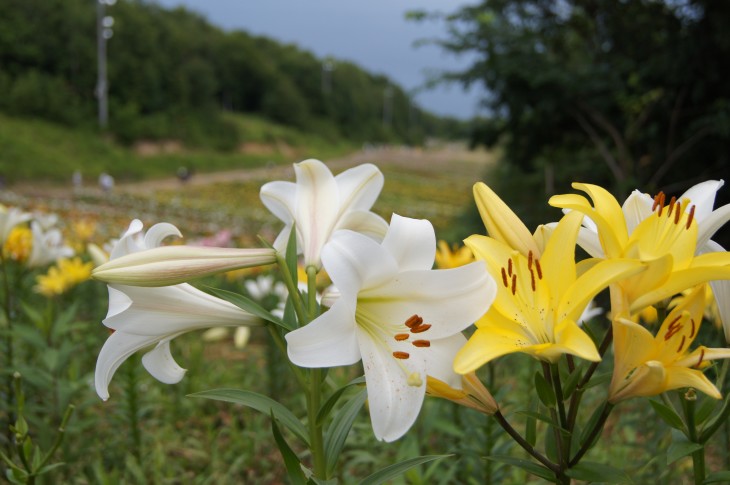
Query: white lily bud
{"type": "Point", "coordinates": [170, 265]}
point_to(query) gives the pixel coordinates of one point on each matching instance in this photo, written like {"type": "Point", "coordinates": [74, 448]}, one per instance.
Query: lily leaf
{"type": "Point", "coordinates": [291, 461]}
{"type": "Point", "coordinates": [325, 410]}
{"type": "Point", "coordinates": [572, 381]}
{"type": "Point", "coordinates": [246, 303]}
{"type": "Point", "coordinates": [544, 391]}
{"type": "Point", "coordinates": [717, 477]}
{"type": "Point", "coordinates": [337, 432]}
{"type": "Point", "coordinates": [291, 253]}
{"type": "Point", "coordinates": [261, 403]}
{"type": "Point", "coordinates": [667, 414]}
{"type": "Point", "coordinates": [527, 465]}
{"type": "Point", "coordinates": [397, 469]}
{"type": "Point", "coordinates": [680, 448]}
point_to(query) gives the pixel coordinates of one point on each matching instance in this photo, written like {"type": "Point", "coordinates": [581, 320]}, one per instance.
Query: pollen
{"type": "Point", "coordinates": [422, 343]}
{"type": "Point", "coordinates": [514, 284]}
{"type": "Point", "coordinates": [529, 260]}
{"type": "Point", "coordinates": [692, 332]}
{"type": "Point", "coordinates": [504, 278]}
{"type": "Point", "coordinates": [401, 336]}
{"type": "Point", "coordinates": [401, 355]}
{"type": "Point", "coordinates": [413, 321]}
{"type": "Point", "coordinates": [538, 268]}
{"type": "Point", "coordinates": [509, 266]}
{"type": "Point", "coordinates": [532, 279]}
{"type": "Point", "coordinates": [678, 213]}
{"type": "Point", "coordinates": [420, 328]}
{"type": "Point", "coordinates": [681, 344]}
{"type": "Point", "coordinates": [702, 356]}
{"type": "Point", "coordinates": [671, 205]}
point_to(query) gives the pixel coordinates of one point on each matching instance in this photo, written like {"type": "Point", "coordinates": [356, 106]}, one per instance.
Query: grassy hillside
{"type": "Point", "coordinates": [36, 150]}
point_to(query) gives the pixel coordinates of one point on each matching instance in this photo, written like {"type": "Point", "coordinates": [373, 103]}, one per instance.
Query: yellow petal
{"type": "Point", "coordinates": [485, 345]}
{"type": "Point", "coordinates": [558, 261]}
{"type": "Point", "coordinates": [571, 339]}
{"type": "Point", "coordinates": [679, 281]}
{"type": "Point", "coordinates": [678, 377]}
{"type": "Point", "coordinates": [648, 379]}
{"type": "Point", "coordinates": [501, 223]}
{"type": "Point", "coordinates": [588, 285]}
{"type": "Point", "coordinates": [680, 327]}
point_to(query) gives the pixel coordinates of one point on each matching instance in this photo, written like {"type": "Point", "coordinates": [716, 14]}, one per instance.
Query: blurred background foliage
{"type": "Point", "coordinates": [627, 94]}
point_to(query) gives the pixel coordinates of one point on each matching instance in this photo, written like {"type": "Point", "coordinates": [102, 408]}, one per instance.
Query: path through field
{"type": "Point", "coordinates": [434, 184]}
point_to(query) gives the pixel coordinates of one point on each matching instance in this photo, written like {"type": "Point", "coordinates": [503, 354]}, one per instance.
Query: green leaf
{"type": "Point", "coordinates": [539, 416]}
{"type": "Point", "coordinates": [531, 430]}
{"type": "Point", "coordinates": [50, 467]}
{"type": "Point", "coordinates": [592, 421]}
{"type": "Point", "coordinates": [544, 391]}
{"type": "Point", "coordinates": [291, 254]}
{"type": "Point", "coordinates": [571, 382]}
{"type": "Point", "coordinates": [261, 403]}
{"type": "Point", "coordinates": [291, 460]}
{"type": "Point", "coordinates": [336, 435]}
{"type": "Point", "coordinates": [326, 408]}
{"type": "Point", "coordinates": [397, 469]}
{"type": "Point", "coordinates": [598, 472]}
{"type": "Point", "coordinates": [705, 409]}
{"type": "Point", "coordinates": [246, 303]}
{"type": "Point", "coordinates": [527, 465]}
{"type": "Point", "coordinates": [718, 477]}
{"type": "Point", "coordinates": [667, 414]}
{"type": "Point", "coordinates": [680, 448]}
{"type": "Point", "coordinates": [599, 379]}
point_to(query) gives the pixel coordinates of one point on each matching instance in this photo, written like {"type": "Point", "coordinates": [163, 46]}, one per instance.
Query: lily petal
{"type": "Point", "coordinates": [362, 186]}
{"type": "Point", "coordinates": [161, 365]}
{"type": "Point", "coordinates": [412, 242]}
{"type": "Point", "coordinates": [328, 341]}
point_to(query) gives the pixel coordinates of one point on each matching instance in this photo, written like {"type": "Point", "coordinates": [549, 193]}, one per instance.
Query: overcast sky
{"type": "Point", "coordinates": [371, 33]}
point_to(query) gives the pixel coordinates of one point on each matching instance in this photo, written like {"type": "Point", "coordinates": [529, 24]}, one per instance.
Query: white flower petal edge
{"type": "Point", "coordinates": [9, 218]}
{"type": "Point", "coordinates": [403, 319]}
{"type": "Point", "coordinates": [320, 203]}
{"type": "Point", "coordinates": [47, 246]}
{"type": "Point", "coordinates": [143, 317]}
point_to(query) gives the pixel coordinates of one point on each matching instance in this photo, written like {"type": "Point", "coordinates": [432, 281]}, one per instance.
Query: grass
{"type": "Point", "coordinates": [35, 150]}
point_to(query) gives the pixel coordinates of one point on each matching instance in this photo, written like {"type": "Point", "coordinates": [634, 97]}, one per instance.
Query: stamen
{"type": "Point", "coordinates": [514, 283]}
{"type": "Point", "coordinates": [671, 205]}
{"type": "Point", "coordinates": [538, 268]}
{"type": "Point", "coordinates": [692, 332]}
{"type": "Point", "coordinates": [691, 216]}
{"type": "Point", "coordinates": [681, 344]}
{"type": "Point", "coordinates": [678, 213]}
{"type": "Point", "coordinates": [509, 266]}
{"type": "Point", "coordinates": [420, 328]}
{"type": "Point", "coordinates": [702, 356]}
{"type": "Point", "coordinates": [504, 278]}
{"type": "Point", "coordinates": [413, 321]}
{"type": "Point", "coordinates": [422, 343]}
{"type": "Point", "coordinates": [656, 202]}
{"type": "Point", "coordinates": [529, 260]}
{"type": "Point", "coordinates": [673, 328]}
{"type": "Point", "coordinates": [401, 336]}
{"type": "Point", "coordinates": [532, 279]}
{"type": "Point", "coordinates": [401, 355]}
{"type": "Point", "coordinates": [662, 197]}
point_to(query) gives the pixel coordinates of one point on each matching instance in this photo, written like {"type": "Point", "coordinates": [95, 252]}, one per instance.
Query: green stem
{"type": "Point", "coordinates": [314, 397]}
{"type": "Point", "coordinates": [281, 345]}
{"type": "Point", "coordinates": [525, 445]}
{"type": "Point", "coordinates": [8, 348]}
{"type": "Point", "coordinates": [291, 286]}
{"type": "Point", "coordinates": [698, 456]}
{"type": "Point", "coordinates": [559, 420]}
{"type": "Point", "coordinates": [594, 433]}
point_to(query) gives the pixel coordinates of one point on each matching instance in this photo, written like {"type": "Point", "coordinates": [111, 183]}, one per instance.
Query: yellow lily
{"type": "Point", "coordinates": [645, 365]}
{"type": "Point", "coordinates": [472, 394]}
{"type": "Point", "coordinates": [448, 257]}
{"type": "Point", "coordinates": [539, 300]}
{"type": "Point", "coordinates": [666, 240]}
{"type": "Point", "coordinates": [503, 225]}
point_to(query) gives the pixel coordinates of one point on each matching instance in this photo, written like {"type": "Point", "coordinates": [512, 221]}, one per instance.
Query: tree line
{"type": "Point", "coordinates": [172, 74]}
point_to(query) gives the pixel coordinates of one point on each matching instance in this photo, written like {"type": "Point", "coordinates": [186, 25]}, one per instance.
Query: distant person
{"type": "Point", "coordinates": [77, 180]}
{"type": "Point", "coordinates": [106, 182]}
{"type": "Point", "coordinates": [184, 174]}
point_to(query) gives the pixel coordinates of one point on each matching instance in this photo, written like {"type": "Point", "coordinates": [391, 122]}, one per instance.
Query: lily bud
{"type": "Point", "coordinates": [170, 265]}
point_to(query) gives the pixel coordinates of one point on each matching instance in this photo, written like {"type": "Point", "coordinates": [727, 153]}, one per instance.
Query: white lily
{"type": "Point", "coordinates": [638, 206]}
{"type": "Point", "coordinates": [47, 246]}
{"type": "Point", "coordinates": [320, 203]}
{"type": "Point", "coordinates": [9, 218]}
{"type": "Point", "coordinates": [142, 317]}
{"type": "Point", "coordinates": [397, 315]}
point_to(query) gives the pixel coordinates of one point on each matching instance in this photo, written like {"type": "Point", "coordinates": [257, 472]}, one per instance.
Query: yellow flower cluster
{"type": "Point", "coordinates": [19, 244]}
{"type": "Point", "coordinates": [65, 275]}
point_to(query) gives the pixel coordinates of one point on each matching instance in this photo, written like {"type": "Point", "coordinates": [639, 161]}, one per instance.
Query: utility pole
{"type": "Point", "coordinates": [104, 32]}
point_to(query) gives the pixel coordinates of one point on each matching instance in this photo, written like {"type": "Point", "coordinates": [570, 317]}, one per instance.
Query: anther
{"type": "Point", "coordinates": [691, 216]}
{"type": "Point", "coordinates": [413, 321]}
{"type": "Point", "coordinates": [401, 355]}
{"type": "Point", "coordinates": [529, 260]}
{"type": "Point", "coordinates": [678, 213]}
{"type": "Point", "coordinates": [702, 356]}
{"type": "Point", "coordinates": [514, 284]}
{"type": "Point", "coordinates": [692, 332]}
{"type": "Point", "coordinates": [656, 202]}
{"type": "Point", "coordinates": [662, 197]}
{"type": "Point", "coordinates": [422, 343]}
{"type": "Point", "coordinates": [681, 344]}
{"type": "Point", "coordinates": [538, 268]}
{"type": "Point", "coordinates": [673, 328]}
{"type": "Point", "coordinates": [504, 278]}
{"type": "Point", "coordinates": [671, 205]}
{"type": "Point", "coordinates": [401, 336]}
{"type": "Point", "coordinates": [532, 279]}
{"type": "Point", "coordinates": [509, 266]}
{"type": "Point", "coordinates": [420, 328]}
